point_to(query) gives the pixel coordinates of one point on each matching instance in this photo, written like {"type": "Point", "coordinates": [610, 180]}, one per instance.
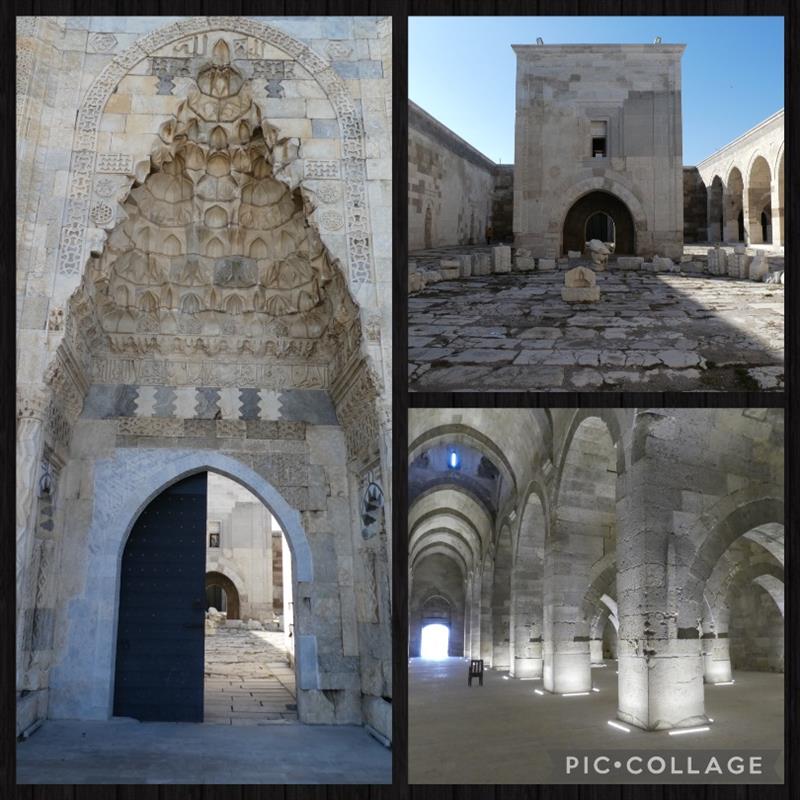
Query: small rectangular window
{"type": "Point", "coordinates": [213, 540]}
{"type": "Point", "coordinates": [599, 139]}
{"type": "Point", "coordinates": [598, 147]}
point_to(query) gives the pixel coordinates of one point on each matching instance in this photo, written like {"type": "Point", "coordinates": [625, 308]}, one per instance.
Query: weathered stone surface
{"type": "Point", "coordinates": [546, 264]}
{"type": "Point", "coordinates": [629, 262]}
{"type": "Point", "coordinates": [501, 259]}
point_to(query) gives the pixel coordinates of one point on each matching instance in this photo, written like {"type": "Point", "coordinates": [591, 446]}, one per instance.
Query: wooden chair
{"type": "Point", "coordinates": [475, 671]}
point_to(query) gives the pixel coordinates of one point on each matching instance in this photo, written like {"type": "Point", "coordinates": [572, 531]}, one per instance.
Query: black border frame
{"type": "Point", "coordinates": [402, 400]}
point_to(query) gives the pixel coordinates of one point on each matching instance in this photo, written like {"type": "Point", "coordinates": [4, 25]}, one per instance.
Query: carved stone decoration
{"type": "Point", "coordinates": [214, 245]}
{"type": "Point", "coordinates": [331, 220]}
{"type": "Point", "coordinates": [101, 43]}
{"type": "Point", "coordinates": [71, 251]}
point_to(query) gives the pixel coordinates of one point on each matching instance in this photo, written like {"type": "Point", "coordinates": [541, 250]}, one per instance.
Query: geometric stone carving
{"type": "Point", "coordinates": [115, 162]}
{"type": "Point", "coordinates": [212, 243]}
{"type": "Point", "coordinates": [321, 169]}
{"type": "Point", "coordinates": [101, 43]}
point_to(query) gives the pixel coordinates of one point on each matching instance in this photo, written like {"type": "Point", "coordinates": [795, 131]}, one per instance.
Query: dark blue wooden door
{"type": "Point", "coordinates": [160, 635]}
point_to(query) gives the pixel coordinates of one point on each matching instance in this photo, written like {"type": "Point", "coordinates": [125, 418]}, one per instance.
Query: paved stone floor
{"type": "Point", "coordinates": [503, 732]}
{"type": "Point", "coordinates": [125, 751]}
{"type": "Point", "coordinates": [248, 679]}
{"type": "Point", "coordinates": [650, 331]}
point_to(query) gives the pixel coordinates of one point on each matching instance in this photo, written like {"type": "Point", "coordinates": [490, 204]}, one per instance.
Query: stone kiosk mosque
{"type": "Point", "coordinates": [203, 276]}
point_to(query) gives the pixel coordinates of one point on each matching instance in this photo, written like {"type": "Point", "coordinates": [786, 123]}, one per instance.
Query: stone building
{"type": "Point", "coordinates": [598, 137]}
{"type": "Point", "coordinates": [245, 553]}
{"type": "Point", "coordinates": [552, 541]}
{"type": "Point", "coordinates": [454, 191]}
{"type": "Point", "coordinates": [203, 286]}
{"type": "Point", "coordinates": [743, 187]}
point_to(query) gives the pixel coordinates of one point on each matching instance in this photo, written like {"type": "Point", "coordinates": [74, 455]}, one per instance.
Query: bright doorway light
{"type": "Point", "coordinates": [435, 640]}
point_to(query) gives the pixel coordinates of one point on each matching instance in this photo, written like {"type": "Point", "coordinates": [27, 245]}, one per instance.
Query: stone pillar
{"type": "Point", "coordinates": [777, 213]}
{"type": "Point", "coordinates": [475, 617]}
{"type": "Point", "coordinates": [596, 651]}
{"type": "Point", "coordinates": [527, 652]}
{"type": "Point", "coordinates": [32, 403]}
{"type": "Point", "coordinates": [566, 666]}
{"type": "Point", "coordinates": [468, 616]}
{"type": "Point", "coordinates": [660, 664]}
{"type": "Point", "coordinates": [716, 658]}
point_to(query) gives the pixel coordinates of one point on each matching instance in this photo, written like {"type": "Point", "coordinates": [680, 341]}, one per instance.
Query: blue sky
{"type": "Point", "coordinates": [462, 71]}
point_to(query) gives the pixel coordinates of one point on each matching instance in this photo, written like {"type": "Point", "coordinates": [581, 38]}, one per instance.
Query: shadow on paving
{"type": "Point", "coordinates": [649, 332]}
{"type": "Point", "coordinates": [127, 751]}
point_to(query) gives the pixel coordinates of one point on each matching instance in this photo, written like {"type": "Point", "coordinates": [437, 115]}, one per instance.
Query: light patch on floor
{"type": "Point", "coordinates": [248, 679]}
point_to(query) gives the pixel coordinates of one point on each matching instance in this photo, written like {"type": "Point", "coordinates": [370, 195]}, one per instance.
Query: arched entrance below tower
{"type": "Point", "coordinates": [221, 594]}
{"type": "Point", "coordinates": [602, 211]}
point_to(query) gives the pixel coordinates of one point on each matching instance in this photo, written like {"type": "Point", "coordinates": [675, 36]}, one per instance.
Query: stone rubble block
{"type": "Point", "coordinates": [416, 282]}
{"type": "Point", "coordinates": [663, 264]}
{"type": "Point", "coordinates": [501, 258]}
{"type": "Point", "coordinates": [574, 254]}
{"type": "Point", "coordinates": [465, 263]}
{"type": "Point", "coordinates": [563, 262]}
{"type": "Point", "coordinates": [759, 268]}
{"type": "Point", "coordinates": [580, 286]}
{"type": "Point", "coordinates": [547, 264]}
{"type": "Point", "coordinates": [742, 263]}
{"type": "Point", "coordinates": [599, 253]}
{"type": "Point", "coordinates": [450, 268]}
{"type": "Point", "coordinates": [697, 267]}
{"type": "Point", "coordinates": [629, 262]}
{"type": "Point", "coordinates": [524, 264]}
{"type": "Point", "coordinates": [482, 264]}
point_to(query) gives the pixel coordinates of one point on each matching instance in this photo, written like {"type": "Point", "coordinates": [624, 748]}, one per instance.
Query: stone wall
{"type": "Point", "coordinates": [503, 203]}
{"type": "Point", "coordinates": [245, 551]}
{"type": "Point", "coordinates": [450, 186]}
{"type": "Point", "coordinates": [695, 200]}
{"type": "Point", "coordinates": [633, 92]}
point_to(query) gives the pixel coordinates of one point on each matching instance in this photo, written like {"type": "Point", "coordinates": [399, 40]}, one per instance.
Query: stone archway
{"type": "Point", "coordinates": [227, 586]}
{"type": "Point", "coordinates": [585, 209]}
{"type": "Point", "coordinates": [82, 681]}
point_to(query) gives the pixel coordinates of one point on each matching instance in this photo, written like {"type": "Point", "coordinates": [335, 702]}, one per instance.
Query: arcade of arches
{"type": "Point", "coordinates": [623, 566]}
{"type": "Point", "coordinates": [204, 277]}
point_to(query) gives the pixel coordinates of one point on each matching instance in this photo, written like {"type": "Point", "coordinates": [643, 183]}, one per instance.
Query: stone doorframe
{"type": "Point", "coordinates": [82, 683]}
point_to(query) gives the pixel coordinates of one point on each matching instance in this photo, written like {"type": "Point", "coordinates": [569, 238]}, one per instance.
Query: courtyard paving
{"type": "Point", "coordinates": [649, 332]}
{"type": "Point", "coordinates": [248, 679]}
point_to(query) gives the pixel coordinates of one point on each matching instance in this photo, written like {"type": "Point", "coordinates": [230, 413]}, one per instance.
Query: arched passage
{"type": "Point", "coordinates": [734, 204]}
{"type": "Point", "coordinates": [221, 586]}
{"type": "Point", "coordinates": [716, 222]}
{"type": "Point", "coordinates": [586, 209]}
{"type": "Point", "coordinates": [526, 592]}
{"type": "Point", "coordinates": [82, 685]}
{"type": "Point", "coordinates": [759, 202]}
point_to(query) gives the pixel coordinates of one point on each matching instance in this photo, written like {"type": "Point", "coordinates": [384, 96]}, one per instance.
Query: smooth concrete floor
{"type": "Point", "coordinates": [126, 751]}
{"type": "Point", "coordinates": [503, 732]}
